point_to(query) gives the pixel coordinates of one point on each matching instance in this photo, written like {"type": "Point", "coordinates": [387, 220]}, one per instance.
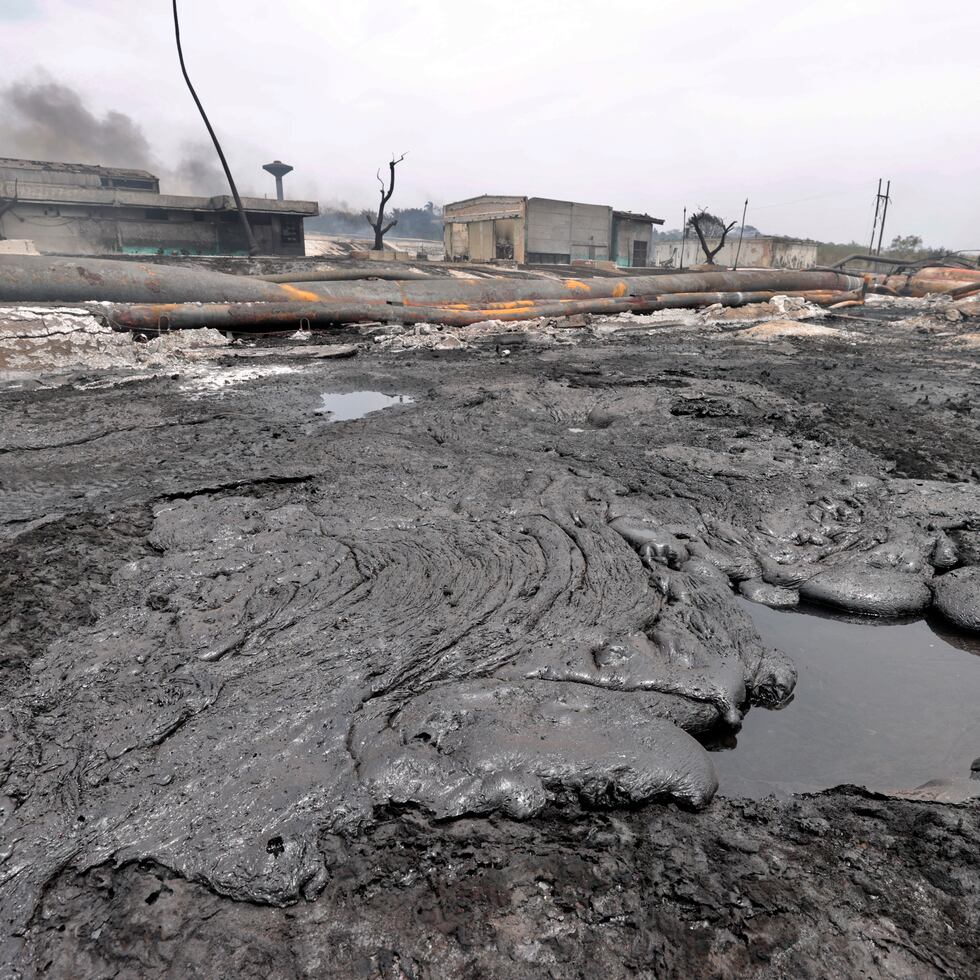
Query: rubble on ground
{"type": "Point", "coordinates": [772, 329]}
{"type": "Point", "coordinates": [36, 340]}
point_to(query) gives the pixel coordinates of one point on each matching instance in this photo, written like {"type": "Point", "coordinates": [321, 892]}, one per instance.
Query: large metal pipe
{"type": "Point", "coordinates": [954, 282]}
{"type": "Point", "coordinates": [227, 316]}
{"type": "Point", "coordinates": [253, 247]}
{"type": "Point", "coordinates": [947, 260]}
{"type": "Point", "coordinates": [52, 279]}
{"type": "Point", "coordinates": [482, 292]}
{"type": "Point", "coordinates": [346, 275]}
{"type": "Point", "coordinates": [40, 278]}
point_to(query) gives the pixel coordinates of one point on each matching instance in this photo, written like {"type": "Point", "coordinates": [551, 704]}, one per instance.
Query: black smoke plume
{"type": "Point", "coordinates": [45, 119]}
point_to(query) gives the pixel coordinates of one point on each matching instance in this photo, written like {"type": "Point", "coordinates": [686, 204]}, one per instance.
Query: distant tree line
{"type": "Point", "coordinates": [424, 222]}
{"type": "Point", "coordinates": [901, 247]}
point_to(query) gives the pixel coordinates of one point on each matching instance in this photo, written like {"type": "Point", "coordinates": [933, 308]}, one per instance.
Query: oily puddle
{"type": "Point", "coordinates": [879, 704]}
{"type": "Point", "coordinates": [342, 406]}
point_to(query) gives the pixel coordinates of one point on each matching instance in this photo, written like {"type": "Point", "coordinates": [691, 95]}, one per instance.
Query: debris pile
{"type": "Point", "coordinates": [35, 340]}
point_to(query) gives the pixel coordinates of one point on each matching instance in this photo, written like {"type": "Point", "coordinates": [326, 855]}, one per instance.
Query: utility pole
{"type": "Point", "coordinates": [884, 214]}
{"type": "Point", "coordinates": [874, 227]}
{"type": "Point", "coordinates": [683, 237]}
{"type": "Point", "coordinates": [741, 232]}
{"type": "Point", "coordinates": [881, 207]}
{"type": "Point", "coordinates": [253, 248]}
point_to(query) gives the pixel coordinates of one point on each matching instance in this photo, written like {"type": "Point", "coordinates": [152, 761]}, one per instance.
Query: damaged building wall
{"type": "Point", "coordinates": [90, 210]}
{"type": "Point", "coordinates": [544, 230]}
{"type": "Point", "coordinates": [632, 238]}
{"type": "Point", "coordinates": [757, 252]}
{"type": "Point", "coordinates": [76, 229]}
{"type": "Point", "coordinates": [560, 231]}
{"type": "Point", "coordinates": [484, 228]}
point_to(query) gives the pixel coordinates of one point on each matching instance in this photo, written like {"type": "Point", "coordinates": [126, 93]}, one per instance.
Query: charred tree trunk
{"type": "Point", "coordinates": [378, 224]}
{"type": "Point", "coordinates": [697, 220]}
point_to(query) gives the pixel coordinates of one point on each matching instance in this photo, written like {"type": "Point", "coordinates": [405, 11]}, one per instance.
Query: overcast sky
{"type": "Point", "coordinates": [647, 106]}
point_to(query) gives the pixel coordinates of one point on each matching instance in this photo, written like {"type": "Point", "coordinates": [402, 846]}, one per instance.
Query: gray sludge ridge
{"type": "Point", "coordinates": [459, 605]}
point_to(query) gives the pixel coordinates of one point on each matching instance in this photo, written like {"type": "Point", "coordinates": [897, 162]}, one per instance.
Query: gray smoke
{"type": "Point", "coordinates": [48, 120]}
{"type": "Point", "coordinates": [197, 172]}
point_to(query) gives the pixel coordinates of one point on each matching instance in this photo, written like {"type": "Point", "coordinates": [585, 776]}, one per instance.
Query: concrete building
{"type": "Point", "coordinates": [632, 238]}
{"type": "Point", "coordinates": [540, 230]}
{"type": "Point", "coordinates": [756, 253]}
{"type": "Point", "coordinates": [80, 209]}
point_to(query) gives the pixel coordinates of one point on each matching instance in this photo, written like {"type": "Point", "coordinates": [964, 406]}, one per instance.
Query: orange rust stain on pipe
{"type": "Point", "coordinates": [576, 285]}
{"type": "Point", "coordinates": [619, 290]}
{"type": "Point", "coordinates": [301, 295]}
{"type": "Point", "coordinates": [511, 304]}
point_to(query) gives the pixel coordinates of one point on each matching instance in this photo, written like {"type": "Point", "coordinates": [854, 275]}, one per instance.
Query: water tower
{"type": "Point", "coordinates": [278, 169]}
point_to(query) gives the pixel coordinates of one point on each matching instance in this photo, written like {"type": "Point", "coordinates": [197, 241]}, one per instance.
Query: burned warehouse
{"type": "Point", "coordinates": [539, 230]}
{"type": "Point", "coordinates": [81, 209]}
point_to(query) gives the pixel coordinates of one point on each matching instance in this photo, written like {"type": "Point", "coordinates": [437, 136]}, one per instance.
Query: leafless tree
{"type": "Point", "coordinates": [706, 224]}
{"type": "Point", "coordinates": [378, 224]}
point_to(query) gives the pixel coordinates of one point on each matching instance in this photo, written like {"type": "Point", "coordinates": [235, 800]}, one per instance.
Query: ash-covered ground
{"type": "Point", "coordinates": [426, 693]}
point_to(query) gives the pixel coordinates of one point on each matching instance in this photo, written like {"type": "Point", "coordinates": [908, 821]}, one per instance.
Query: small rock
{"type": "Point", "coordinates": [450, 342]}
{"type": "Point", "coordinates": [755, 590]}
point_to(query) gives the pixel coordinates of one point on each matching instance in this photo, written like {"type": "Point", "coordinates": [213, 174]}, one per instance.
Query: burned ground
{"type": "Point", "coordinates": [294, 697]}
{"type": "Point", "coordinates": [840, 884]}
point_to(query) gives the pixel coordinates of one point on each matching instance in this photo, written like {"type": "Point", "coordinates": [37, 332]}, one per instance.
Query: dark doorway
{"type": "Point", "coordinates": [639, 253]}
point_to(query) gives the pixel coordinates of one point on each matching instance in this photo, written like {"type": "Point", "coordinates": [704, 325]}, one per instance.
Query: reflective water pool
{"type": "Point", "coordinates": [881, 704]}
{"type": "Point", "coordinates": [341, 406]}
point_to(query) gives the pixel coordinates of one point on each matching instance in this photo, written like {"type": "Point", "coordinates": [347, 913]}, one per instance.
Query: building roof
{"type": "Point", "coordinates": [113, 197]}
{"type": "Point", "coordinates": [55, 166]}
{"type": "Point", "coordinates": [510, 204]}
{"type": "Point", "coordinates": [637, 216]}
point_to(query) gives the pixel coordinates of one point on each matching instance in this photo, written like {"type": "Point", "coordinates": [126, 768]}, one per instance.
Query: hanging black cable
{"type": "Point", "coordinates": [253, 248]}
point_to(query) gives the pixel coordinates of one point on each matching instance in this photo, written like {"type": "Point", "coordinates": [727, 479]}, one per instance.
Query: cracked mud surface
{"type": "Point", "coordinates": [343, 689]}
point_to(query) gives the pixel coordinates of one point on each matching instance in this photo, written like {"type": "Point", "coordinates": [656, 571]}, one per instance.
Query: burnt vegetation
{"type": "Point", "coordinates": [383, 223]}
{"type": "Point", "coordinates": [706, 225]}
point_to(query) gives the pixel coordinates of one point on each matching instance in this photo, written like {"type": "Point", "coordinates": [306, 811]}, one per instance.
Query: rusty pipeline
{"type": "Point", "coordinates": [52, 279]}
{"type": "Point", "coordinates": [485, 293]}
{"type": "Point", "coordinates": [39, 278]}
{"type": "Point", "coordinates": [346, 275]}
{"type": "Point", "coordinates": [955, 282]}
{"type": "Point", "coordinates": [226, 316]}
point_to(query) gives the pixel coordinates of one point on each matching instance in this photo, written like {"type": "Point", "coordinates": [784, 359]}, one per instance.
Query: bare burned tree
{"type": "Point", "coordinates": [707, 225]}
{"type": "Point", "coordinates": [378, 224]}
